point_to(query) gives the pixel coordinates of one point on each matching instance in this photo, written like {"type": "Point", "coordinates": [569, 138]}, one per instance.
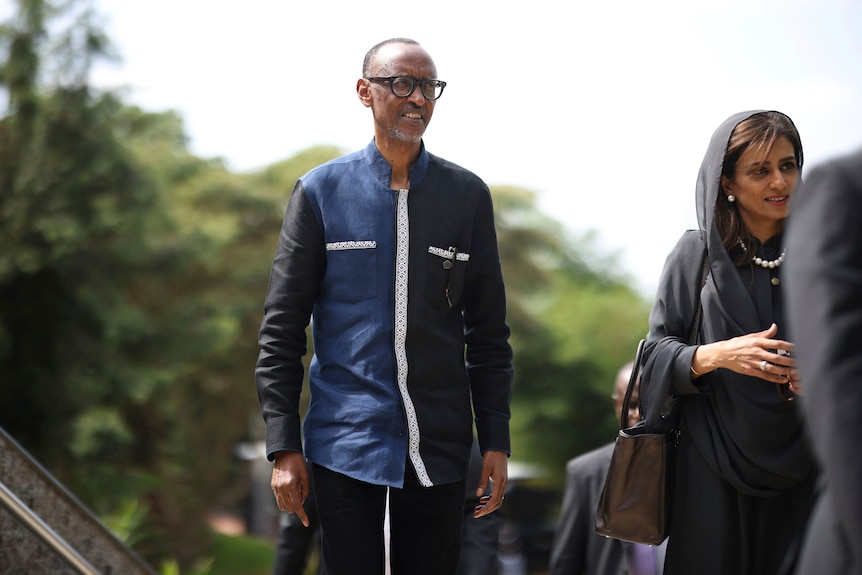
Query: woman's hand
{"type": "Point", "coordinates": [756, 354]}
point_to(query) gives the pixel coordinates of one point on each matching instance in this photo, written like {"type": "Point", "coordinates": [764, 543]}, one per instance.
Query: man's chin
{"type": "Point", "coordinates": [406, 138]}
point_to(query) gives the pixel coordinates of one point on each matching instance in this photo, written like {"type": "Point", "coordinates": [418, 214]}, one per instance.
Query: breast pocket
{"type": "Point", "coordinates": [445, 276]}
{"type": "Point", "coordinates": [351, 270]}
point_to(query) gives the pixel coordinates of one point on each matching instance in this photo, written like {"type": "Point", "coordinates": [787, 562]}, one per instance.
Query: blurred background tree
{"type": "Point", "coordinates": [132, 277]}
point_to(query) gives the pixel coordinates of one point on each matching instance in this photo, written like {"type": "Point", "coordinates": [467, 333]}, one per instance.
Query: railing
{"type": "Point", "coordinates": [45, 529]}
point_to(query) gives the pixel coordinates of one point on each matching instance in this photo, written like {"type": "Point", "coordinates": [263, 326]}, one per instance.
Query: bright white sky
{"type": "Point", "coordinates": [604, 109]}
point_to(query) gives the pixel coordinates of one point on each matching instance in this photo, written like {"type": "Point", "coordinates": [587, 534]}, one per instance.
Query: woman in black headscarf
{"type": "Point", "coordinates": [744, 481]}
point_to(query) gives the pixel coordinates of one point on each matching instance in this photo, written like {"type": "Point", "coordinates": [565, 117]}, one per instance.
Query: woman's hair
{"type": "Point", "coordinates": [757, 132]}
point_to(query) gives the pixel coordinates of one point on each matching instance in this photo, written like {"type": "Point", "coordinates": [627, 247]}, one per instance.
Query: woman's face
{"type": "Point", "coordinates": [763, 187]}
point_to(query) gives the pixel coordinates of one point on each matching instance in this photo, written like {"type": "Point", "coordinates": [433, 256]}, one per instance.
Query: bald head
{"type": "Point", "coordinates": [620, 386]}
{"type": "Point", "coordinates": [369, 64]}
{"type": "Point", "coordinates": [622, 380]}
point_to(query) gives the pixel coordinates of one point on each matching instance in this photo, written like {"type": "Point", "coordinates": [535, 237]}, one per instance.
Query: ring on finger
{"type": "Point", "coordinates": [763, 365]}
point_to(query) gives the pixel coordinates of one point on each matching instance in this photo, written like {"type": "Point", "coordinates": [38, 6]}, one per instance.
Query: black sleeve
{"type": "Point", "coordinates": [294, 282]}
{"type": "Point", "coordinates": [488, 353]}
{"type": "Point", "coordinates": [668, 351]}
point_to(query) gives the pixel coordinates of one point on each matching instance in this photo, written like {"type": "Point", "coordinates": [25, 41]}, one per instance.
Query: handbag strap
{"type": "Point", "coordinates": [635, 374]}
{"type": "Point", "coordinates": [636, 369]}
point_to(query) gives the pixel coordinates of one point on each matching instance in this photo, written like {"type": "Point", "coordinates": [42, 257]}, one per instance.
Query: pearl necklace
{"type": "Point", "coordinates": [767, 264]}
{"type": "Point", "coordinates": [771, 264]}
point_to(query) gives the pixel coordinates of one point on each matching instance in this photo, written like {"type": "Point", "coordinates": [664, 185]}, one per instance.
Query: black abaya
{"type": "Point", "coordinates": [744, 475]}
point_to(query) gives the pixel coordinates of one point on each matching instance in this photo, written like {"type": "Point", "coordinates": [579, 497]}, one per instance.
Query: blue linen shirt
{"type": "Point", "coordinates": [407, 306]}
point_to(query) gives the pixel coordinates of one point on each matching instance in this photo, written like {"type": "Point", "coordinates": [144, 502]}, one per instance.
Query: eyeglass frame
{"type": "Point", "coordinates": [416, 81]}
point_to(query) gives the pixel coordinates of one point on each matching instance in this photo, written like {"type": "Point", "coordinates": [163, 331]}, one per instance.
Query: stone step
{"type": "Point", "coordinates": [44, 529]}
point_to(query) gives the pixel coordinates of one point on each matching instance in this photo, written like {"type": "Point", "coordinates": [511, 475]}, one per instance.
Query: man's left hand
{"type": "Point", "coordinates": [495, 468]}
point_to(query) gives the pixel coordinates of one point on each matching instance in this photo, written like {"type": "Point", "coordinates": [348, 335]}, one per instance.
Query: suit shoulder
{"type": "Point", "coordinates": [595, 461]}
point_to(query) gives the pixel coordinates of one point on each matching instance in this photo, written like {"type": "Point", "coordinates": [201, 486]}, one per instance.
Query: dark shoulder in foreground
{"type": "Point", "coordinates": [848, 166]}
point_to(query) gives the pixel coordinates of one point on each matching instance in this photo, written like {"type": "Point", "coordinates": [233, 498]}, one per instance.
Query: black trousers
{"type": "Point", "coordinates": [295, 542]}
{"type": "Point", "coordinates": [424, 525]}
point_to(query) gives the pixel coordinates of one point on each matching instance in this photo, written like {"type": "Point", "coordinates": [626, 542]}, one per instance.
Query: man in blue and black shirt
{"type": "Point", "coordinates": [392, 253]}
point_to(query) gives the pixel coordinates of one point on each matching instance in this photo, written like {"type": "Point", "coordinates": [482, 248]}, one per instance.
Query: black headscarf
{"type": "Point", "coordinates": [746, 431]}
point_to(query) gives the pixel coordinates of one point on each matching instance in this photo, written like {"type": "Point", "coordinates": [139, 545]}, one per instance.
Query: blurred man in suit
{"type": "Point", "coordinates": [577, 549]}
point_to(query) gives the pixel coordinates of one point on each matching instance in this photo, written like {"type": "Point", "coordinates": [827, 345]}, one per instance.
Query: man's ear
{"type": "Point", "coordinates": [363, 90]}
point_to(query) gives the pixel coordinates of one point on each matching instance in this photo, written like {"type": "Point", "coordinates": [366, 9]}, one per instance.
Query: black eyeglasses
{"type": "Point", "coordinates": [403, 86]}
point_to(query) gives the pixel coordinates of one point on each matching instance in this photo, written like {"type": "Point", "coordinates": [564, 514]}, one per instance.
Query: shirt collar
{"type": "Point", "coordinates": [383, 171]}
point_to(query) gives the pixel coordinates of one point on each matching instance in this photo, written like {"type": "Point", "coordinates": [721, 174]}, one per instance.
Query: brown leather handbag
{"type": "Point", "coordinates": [636, 499]}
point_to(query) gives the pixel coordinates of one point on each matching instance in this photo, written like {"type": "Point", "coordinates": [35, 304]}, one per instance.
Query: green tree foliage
{"type": "Point", "coordinates": [574, 324]}
{"type": "Point", "coordinates": [70, 219]}
{"type": "Point", "coordinates": [132, 277]}
{"type": "Point", "coordinates": [206, 311]}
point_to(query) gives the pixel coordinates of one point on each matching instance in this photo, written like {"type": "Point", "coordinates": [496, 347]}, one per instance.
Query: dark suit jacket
{"type": "Point", "coordinates": [824, 287]}
{"type": "Point", "coordinates": [577, 549]}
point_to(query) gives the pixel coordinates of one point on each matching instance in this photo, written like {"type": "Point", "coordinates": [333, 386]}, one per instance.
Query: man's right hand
{"type": "Point", "coordinates": [290, 483]}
